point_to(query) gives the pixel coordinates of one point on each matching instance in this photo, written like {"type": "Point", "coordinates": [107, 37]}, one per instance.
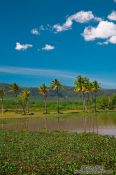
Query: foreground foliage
{"type": "Point", "coordinates": [55, 153]}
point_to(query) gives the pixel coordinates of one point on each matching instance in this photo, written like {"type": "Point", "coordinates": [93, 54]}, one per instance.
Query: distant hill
{"type": "Point", "coordinates": [66, 93]}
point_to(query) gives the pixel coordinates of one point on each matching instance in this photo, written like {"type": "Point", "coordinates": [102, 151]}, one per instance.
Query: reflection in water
{"type": "Point", "coordinates": [90, 124]}
{"type": "Point", "coordinates": [86, 123]}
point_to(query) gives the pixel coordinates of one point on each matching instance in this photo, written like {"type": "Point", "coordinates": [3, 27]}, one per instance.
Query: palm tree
{"type": "Point", "coordinates": [56, 86]}
{"type": "Point", "coordinates": [95, 87]}
{"type": "Point", "coordinates": [85, 90]}
{"type": "Point", "coordinates": [82, 86]}
{"type": "Point", "coordinates": [2, 94]}
{"type": "Point", "coordinates": [23, 99]}
{"type": "Point", "coordinates": [14, 88]}
{"type": "Point", "coordinates": [43, 90]}
{"type": "Point", "coordinates": [22, 102]}
{"type": "Point", "coordinates": [26, 94]}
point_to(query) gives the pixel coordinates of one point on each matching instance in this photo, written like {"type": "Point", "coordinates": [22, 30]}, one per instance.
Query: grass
{"type": "Point", "coordinates": [37, 108]}
{"type": "Point", "coordinates": [53, 153]}
{"type": "Point", "coordinates": [38, 105]}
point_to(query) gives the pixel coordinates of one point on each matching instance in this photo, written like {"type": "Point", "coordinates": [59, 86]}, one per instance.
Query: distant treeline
{"type": "Point", "coordinates": [84, 90]}
{"type": "Point", "coordinates": [66, 93]}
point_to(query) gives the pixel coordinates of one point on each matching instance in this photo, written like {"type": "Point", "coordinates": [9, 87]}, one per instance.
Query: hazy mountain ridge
{"type": "Point", "coordinates": [67, 92]}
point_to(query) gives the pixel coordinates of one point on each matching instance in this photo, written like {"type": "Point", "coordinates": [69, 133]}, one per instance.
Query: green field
{"type": "Point", "coordinates": [36, 107]}
{"type": "Point", "coordinates": [55, 153]}
{"type": "Point", "coordinates": [30, 146]}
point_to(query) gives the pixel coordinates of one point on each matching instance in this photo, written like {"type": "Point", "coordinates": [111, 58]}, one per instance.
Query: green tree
{"type": "Point", "coordinates": [2, 94]}
{"type": "Point", "coordinates": [105, 102]}
{"type": "Point", "coordinates": [56, 86]}
{"type": "Point", "coordinates": [114, 99]}
{"type": "Point", "coordinates": [82, 85]}
{"type": "Point", "coordinates": [95, 87]}
{"type": "Point", "coordinates": [14, 88]}
{"type": "Point", "coordinates": [43, 90]}
{"type": "Point", "coordinates": [26, 94]}
{"type": "Point", "coordinates": [24, 100]}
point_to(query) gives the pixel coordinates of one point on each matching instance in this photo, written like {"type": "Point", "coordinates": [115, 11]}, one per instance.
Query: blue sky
{"type": "Point", "coordinates": [45, 39]}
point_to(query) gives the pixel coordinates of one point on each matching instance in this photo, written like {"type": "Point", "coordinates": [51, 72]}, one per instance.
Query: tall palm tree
{"type": "Point", "coordinates": [43, 90]}
{"type": "Point", "coordinates": [95, 87]}
{"type": "Point", "coordinates": [14, 88]}
{"type": "Point", "coordinates": [86, 90]}
{"type": "Point", "coordinates": [56, 86]}
{"type": "Point", "coordinates": [82, 86]}
{"type": "Point", "coordinates": [23, 99]}
{"type": "Point", "coordinates": [26, 94]}
{"type": "Point", "coordinates": [2, 94]}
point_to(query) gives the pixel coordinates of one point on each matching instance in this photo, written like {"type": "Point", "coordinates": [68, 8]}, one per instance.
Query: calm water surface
{"type": "Point", "coordinates": [101, 124]}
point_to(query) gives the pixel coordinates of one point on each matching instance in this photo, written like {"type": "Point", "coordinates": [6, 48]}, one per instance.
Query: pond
{"type": "Point", "coordinates": [104, 124]}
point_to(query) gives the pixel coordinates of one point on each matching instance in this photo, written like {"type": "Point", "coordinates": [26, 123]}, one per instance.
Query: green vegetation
{"type": "Point", "coordinates": [38, 106]}
{"type": "Point", "coordinates": [23, 100]}
{"type": "Point", "coordinates": [2, 94]}
{"type": "Point", "coordinates": [37, 153]}
{"type": "Point", "coordinates": [87, 89]}
{"type": "Point", "coordinates": [55, 153]}
{"type": "Point", "coordinates": [54, 99]}
{"type": "Point", "coordinates": [44, 91]}
{"type": "Point", "coordinates": [14, 88]}
{"type": "Point", "coordinates": [56, 86]}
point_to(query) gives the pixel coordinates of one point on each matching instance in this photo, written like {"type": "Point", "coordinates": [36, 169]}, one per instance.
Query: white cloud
{"type": "Point", "coordinates": [80, 17]}
{"type": "Point", "coordinates": [114, 0]}
{"type": "Point", "coordinates": [112, 40]}
{"type": "Point", "coordinates": [35, 31]}
{"type": "Point", "coordinates": [104, 30]}
{"type": "Point", "coordinates": [48, 47]}
{"type": "Point", "coordinates": [22, 46]}
{"type": "Point", "coordinates": [112, 16]}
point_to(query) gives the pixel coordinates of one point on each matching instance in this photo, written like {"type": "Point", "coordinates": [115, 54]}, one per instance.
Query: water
{"type": "Point", "coordinates": [101, 124]}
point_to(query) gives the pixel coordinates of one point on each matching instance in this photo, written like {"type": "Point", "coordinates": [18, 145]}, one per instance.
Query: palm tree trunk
{"type": "Point", "coordinates": [24, 109]}
{"type": "Point", "coordinates": [88, 100]}
{"type": "Point", "coordinates": [27, 106]}
{"type": "Point", "coordinates": [58, 109]}
{"type": "Point", "coordinates": [46, 111]}
{"type": "Point", "coordinates": [84, 103]}
{"type": "Point", "coordinates": [95, 102]}
{"type": "Point", "coordinates": [83, 100]}
{"type": "Point", "coordinates": [16, 103]}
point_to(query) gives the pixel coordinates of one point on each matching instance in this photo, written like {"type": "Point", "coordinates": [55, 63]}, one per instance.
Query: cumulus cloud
{"type": "Point", "coordinates": [35, 31]}
{"type": "Point", "coordinates": [112, 39]}
{"type": "Point", "coordinates": [22, 46]}
{"type": "Point", "coordinates": [112, 16]}
{"type": "Point", "coordinates": [80, 17]}
{"type": "Point", "coordinates": [48, 47]}
{"type": "Point", "coordinates": [104, 30]}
